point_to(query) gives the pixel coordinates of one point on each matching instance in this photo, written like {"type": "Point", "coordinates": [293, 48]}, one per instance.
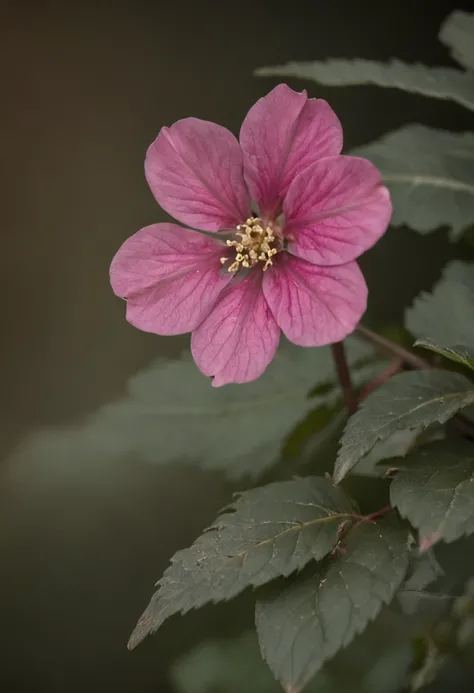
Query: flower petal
{"type": "Point", "coordinates": [171, 278]}
{"type": "Point", "coordinates": [336, 210]}
{"type": "Point", "coordinates": [283, 134]}
{"type": "Point", "coordinates": [194, 169]}
{"type": "Point", "coordinates": [239, 338]}
{"type": "Point", "coordinates": [315, 305]}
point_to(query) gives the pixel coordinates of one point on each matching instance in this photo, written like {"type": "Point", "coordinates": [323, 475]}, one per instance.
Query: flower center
{"type": "Point", "coordinates": [257, 244]}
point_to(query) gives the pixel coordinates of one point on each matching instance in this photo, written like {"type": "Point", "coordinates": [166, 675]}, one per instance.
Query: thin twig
{"type": "Point", "coordinates": [375, 515]}
{"type": "Point", "coordinates": [387, 345]}
{"type": "Point", "coordinates": [392, 369]}
{"type": "Point", "coordinates": [459, 422]}
{"type": "Point", "coordinates": [465, 427]}
{"type": "Point", "coordinates": [344, 375]}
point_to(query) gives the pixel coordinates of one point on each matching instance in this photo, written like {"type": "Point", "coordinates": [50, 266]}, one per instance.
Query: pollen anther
{"type": "Point", "coordinates": [256, 245]}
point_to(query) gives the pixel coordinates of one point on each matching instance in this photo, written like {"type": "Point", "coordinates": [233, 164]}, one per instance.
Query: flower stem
{"type": "Point", "coordinates": [340, 361]}
{"type": "Point", "coordinates": [387, 345]}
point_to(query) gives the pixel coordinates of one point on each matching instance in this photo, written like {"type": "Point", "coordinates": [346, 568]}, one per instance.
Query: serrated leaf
{"type": "Point", "coordinates": [412, 596]}
{"type": "Point", "coordinates": [430, 174]}
{"type": "Point", "coordinates": [424, 570]}
{"type": "Point", "coordinates": [446, 315]}
{"type": "Point", "coordinates": [436, 82]}
{"type": "Point", "coordinates": [434, 490]}
{"type": "Point", "coordinates": [173, 414]}
{"type": "Point", "coordinates": [313, 444]}
{"type": "Point", "coordinates": [268, 532]}
{"type": "Point", "coordinates": [413, 399]}
{"type": "Point", "coordinates": [309, 621]}
{"type": "Point", "coordinates": [396, 445]}
{"type": "Point", "coordinates": [457, 32]}
{"type": "Point", "coordinates": [423, 606]}
{"type": "Point", "coordinates": [460, 354]}
{"type": "Point", "coordinates": [457, 562]}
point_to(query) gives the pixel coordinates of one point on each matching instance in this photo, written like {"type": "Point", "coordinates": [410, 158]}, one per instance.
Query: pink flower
{"type": "Point", "coordinates": [287, 265]}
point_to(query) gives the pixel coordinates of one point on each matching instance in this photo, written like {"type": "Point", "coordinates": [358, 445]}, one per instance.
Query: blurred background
{"type": "Point", "coordinates": [85, 88]}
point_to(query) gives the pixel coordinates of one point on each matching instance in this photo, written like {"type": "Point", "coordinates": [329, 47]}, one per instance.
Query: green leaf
{"type": "Point", "coordinates": [436, 82]}
{"type": "Point", "coordinates": [413, 399]}
{"type": "Point", "coordinates": [434, 490]}
{"type": "Point", "coordinates": [172, 413]}
{"type": "Point", "coordinates": [377, 662]}
{"type": "Point", "coordinates": [412, 595]}
{"type": "Point", "coordinates": [396, 445]}
{"type": "Point", "coordinates": [457, 561]}
{"type": "Point", "coordinates": [323, 438]}
{"type": "Point", "coordinates": [430, 174]}
{"type": "Point", "coordinates": [307, 622]}
{"type": "Point", "coordinates": [425, 569]}
{"type": "Point", "coordinates": [460, 354]}
{"type": "Point", "coordinates": [446, 316]}
{"type": "Point", "coordinates": [224, 666]}
{"type": "Point", "coordinates": [457, 33]}
{"type": "Point", "coordinates": [319, 434]}
{"type": "Point", "coordinates": [268, 532]}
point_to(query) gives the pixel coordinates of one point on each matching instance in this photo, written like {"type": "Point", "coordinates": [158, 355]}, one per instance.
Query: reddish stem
{"type": "Point", "coordinates": [340, 361]}
{"type": "Point", "coordinates": [387, 345]}
{"type": "Point", "coordinates": [375, 515]}
{"type": "Point", "coordinates": [464, 426]}
{"type": "Point", "coordinates": [393, 368]}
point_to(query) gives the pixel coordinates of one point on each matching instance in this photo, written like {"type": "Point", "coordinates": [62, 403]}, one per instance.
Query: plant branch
{"type": "Point", "coordinates": [375, 515]}
{"type": "Point", "coordinates": [393, 367]}
{"type": "Point", "coordinates": [392, 348]}
{"type": "Point", "coordinates": [340, 361]}
{"type": "Point", "coordinates": [459, 422]}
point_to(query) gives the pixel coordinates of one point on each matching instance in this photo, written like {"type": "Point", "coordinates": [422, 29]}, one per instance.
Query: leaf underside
{"type": "Point", "coordinates": [458, 353]}
{"type": "Point", "coordinates": [172, 414]}
{"type": "Point", "coordinates": [435, 82]}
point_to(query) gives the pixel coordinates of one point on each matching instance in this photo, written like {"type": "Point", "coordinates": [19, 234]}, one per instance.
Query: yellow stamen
{"type": "Point", "coordinates": [255, 245]}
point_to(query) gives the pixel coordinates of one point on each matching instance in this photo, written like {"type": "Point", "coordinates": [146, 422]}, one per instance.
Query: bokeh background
{"type": "Point", "coordinates": [85, 88]}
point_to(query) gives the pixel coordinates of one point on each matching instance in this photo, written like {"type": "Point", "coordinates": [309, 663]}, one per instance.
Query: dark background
{"type": "Point", "coordinates": [85, 88]}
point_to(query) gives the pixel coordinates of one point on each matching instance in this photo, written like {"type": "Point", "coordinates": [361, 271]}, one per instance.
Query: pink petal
{"type": "Point", "coordinates": [315, 305]}
{"type": "Point", "coordinates": [336, 210]}
{"type": "Point", "coordinates": [239, 338]}
{"type": "Point", "coordinates": [171, 278]}
{"type": "Point", "coordinates": [194, 169]}
{"type": "Point", "coordinates": [283, 134]}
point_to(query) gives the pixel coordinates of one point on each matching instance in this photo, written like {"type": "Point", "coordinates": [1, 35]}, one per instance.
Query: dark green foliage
{"type": "Point", "coordinates": [460, 354]}
{"type": "Point", "coordinates": [268, 532]}
{"type": "Point", "coordinates": [409, 400]}
{"type": "Point", "coordinates": [434, 490]}
{"type": "Point", "coordinates": [307, 622]}
{"type": "Point", "coordinates": [446, 315]}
